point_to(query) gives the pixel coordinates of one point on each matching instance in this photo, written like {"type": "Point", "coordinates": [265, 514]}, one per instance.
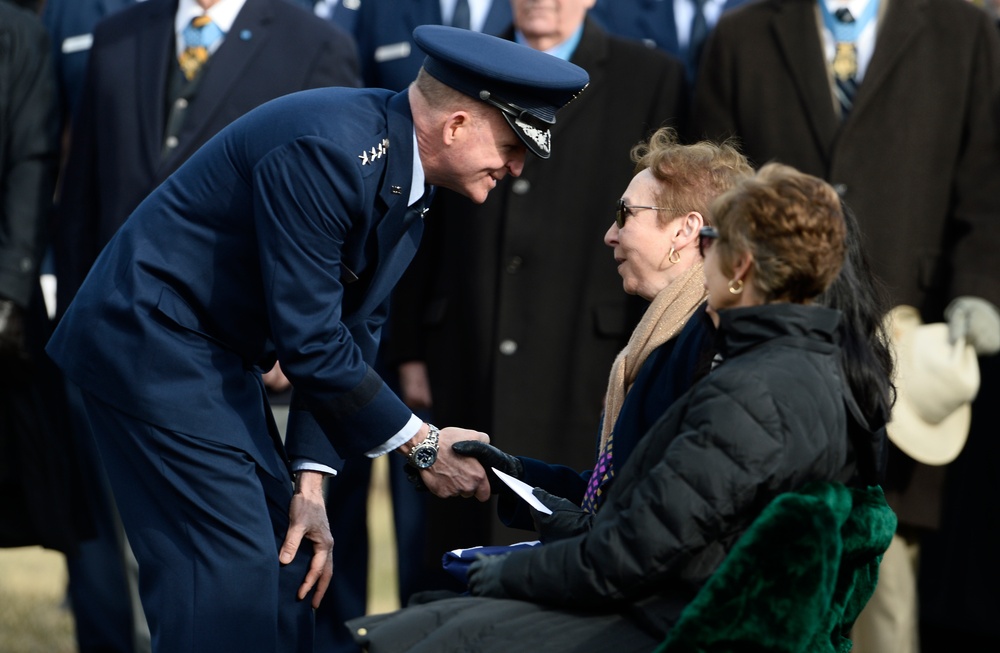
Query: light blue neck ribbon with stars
{"type": "Point", "coordinates": [848, 32]}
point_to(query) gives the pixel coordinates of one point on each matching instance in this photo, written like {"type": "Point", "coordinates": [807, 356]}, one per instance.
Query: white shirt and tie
{"type": "Point", "coordinates": [865, 42]}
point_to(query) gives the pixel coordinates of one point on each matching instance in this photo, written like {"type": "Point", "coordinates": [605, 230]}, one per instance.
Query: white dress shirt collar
{"type": "Point", "coordinates": [417, 186]}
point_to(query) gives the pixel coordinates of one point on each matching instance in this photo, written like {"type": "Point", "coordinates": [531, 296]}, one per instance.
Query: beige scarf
{"type": "Point", "coordinates": [663, 320]}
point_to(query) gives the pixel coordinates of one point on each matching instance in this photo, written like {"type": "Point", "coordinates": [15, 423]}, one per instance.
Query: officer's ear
{"type": "Point", "coordinates": [455, 125]}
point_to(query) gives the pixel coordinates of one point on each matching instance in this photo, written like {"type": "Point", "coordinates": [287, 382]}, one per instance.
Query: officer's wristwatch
{"type": "Point", "coordinates": [425, 454]}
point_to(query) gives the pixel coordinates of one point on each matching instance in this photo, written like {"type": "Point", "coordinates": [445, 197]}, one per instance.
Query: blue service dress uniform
{"type": "Point", "coordinates": [283, 236]}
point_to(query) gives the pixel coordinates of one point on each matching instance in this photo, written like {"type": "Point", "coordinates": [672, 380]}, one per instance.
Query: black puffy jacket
{"type": "Point", "coordinates": [770, 418]}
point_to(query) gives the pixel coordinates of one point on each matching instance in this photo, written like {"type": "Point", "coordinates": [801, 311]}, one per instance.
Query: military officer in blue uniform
{"type": "Point", "coordinates": [281, 239]}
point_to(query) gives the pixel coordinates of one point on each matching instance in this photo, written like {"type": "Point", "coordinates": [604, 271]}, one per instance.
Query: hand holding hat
{"type": "Point", "coordinates": [975, 320]}
{"type": "Point", "coordinates": [936, 381]}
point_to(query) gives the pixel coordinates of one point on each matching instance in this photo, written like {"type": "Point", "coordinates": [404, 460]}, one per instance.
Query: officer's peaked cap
{"type": "Point", "coordinates": [526, 85]}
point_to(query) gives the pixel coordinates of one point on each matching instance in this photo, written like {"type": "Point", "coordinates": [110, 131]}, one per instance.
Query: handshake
{"type": "Point", "coordinates": [487, 455]}
{"type": "Point", "coordinates": [567, 518]}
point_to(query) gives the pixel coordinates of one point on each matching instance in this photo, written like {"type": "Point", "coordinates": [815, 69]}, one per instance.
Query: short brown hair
{"type": "Point", "coordinates": [439, 96]}
{"type": "Point", "coordinates": [690, 176]}
{"type": "Point", "coordinates": [793, 226]}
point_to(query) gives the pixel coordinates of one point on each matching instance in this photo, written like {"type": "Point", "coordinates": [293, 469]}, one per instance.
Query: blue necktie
{"type": "Point", "coordinates": [699, 32]}
{"type": "Point", "coordinates": [845, 66]}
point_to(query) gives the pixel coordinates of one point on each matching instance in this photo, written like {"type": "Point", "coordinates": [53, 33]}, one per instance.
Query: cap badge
{"type": "Point", "coordinates": [541, 137]}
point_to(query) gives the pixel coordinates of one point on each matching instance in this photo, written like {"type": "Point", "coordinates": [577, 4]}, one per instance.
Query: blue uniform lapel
{"type": "Point", "coordinates": [398, 233]}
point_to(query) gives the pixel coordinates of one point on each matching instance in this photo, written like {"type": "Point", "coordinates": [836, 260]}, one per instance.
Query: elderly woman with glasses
{"type": "Point", "coordinates": [775, 413]}
{"type": "Point", "coordinates": [655, 242]}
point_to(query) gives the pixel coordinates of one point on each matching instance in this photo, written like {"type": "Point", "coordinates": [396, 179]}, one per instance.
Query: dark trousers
{"type": "Point", "coordinates": [205, 523]}
{"type": "Point", "coordinates": [98, 579]}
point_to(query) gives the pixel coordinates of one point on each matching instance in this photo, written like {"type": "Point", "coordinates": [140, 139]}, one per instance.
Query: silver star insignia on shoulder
{"type": "Point", "coordinates": [370, 156]}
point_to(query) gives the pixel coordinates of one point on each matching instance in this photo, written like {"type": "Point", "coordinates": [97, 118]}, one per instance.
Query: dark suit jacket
{"type": "Point", "coordinates": [384, 32]}
{"type": "Point", "coordinates": [272, 49]}
{"type": "Point", "coordinates": [71, 26]}
{"type": "Point", "coordinates": [529, 266]}
{"type": "Point", "coordinates": [919, 156]}
{"type": "Point", "coordinates": [275, 239]}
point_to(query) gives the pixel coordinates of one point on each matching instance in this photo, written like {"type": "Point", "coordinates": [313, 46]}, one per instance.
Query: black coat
{"type": "Point", "coordinates": [42, 502]}
{"type": "Point", "coordinates": [771, 418]}
{"type": "Point", "coordinates": [932, 224]}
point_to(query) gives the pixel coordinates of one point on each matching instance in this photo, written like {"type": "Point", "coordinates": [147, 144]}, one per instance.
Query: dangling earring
{"type": "Point", "coordinates": [674, 256]}
{"type": "Point", "coordinates": [736, 286]}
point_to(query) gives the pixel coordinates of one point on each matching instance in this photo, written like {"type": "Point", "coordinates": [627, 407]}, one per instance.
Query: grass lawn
{"type": "Point", "coordinates": [33, 618]}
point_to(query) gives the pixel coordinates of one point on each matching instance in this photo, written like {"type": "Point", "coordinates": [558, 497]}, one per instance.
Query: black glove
{"type": "Point", "coordinates": [489, 456]}
{"type": "Point", "coordinates": [567, 519]}
{"type": "Point", "coordinates": [485, 576]}
{"type": "Point", "coordinates": [11, 332]}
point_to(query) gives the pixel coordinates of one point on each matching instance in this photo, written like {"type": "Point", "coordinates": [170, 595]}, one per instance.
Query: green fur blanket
{"type": "Point", "coordinates": [796, 580]}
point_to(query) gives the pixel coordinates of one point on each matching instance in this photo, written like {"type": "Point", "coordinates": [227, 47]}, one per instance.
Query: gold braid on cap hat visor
{"type": "Point", "coordinates": [577, 94]}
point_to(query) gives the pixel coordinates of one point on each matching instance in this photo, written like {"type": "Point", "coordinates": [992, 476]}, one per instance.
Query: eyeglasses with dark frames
{"type": "Point", "coordinates": [706, 236]}
{"type": "Point", "coordinates": [625, 210]}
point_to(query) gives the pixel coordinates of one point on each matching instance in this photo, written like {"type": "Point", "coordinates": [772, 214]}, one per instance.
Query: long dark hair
{"type": "Point", "coordinates": [866, 359]}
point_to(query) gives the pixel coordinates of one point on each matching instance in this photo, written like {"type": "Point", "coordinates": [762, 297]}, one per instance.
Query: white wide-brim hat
{"type": "Point", "coordinates": [936, 382]}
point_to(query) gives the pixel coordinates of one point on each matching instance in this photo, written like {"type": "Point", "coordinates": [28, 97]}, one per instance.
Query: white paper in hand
{"type": "Point", "coordinates": [523, 490]}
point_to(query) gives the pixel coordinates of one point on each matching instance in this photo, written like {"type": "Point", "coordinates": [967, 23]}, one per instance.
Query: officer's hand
{"type": "Point", "coordinates": [307, 519]}
{"type": "Point", "coordinates": [567, 518]}
{"type": "Point", "coordinates": [12, 346]}
{"type": "Point", "coordinates": [454, 475]}
{"type": "Point", "coordinates": [275, 380]}
{"type": "Point", "coordinates": [489, 456]}
{"type": "Point", "coordinates": [976, 320]}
